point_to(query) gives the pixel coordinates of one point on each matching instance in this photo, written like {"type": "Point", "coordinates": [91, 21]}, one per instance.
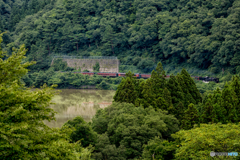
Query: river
{"type": "Point", "coordinates": [79, 102]}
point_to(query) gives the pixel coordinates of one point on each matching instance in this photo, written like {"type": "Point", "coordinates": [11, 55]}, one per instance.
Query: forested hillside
{"type": "Point", "coordinates": [203, 33]}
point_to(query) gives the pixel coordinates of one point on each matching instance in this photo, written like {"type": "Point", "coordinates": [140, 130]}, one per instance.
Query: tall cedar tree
{"type": "Point", "coordinates": [209, 111]}
{"type": "Point", "coordinates": [139, 89]}
{"type": "Point", "coordinates": [235, 85]}
{"type": "Point", "coordinates": [187, 96]}
{"type": "Point", "coordinates": [147, 94]}
{"type": "Point", "coordinates": [229, 102]}
{"type": "Point", "coordinates": [153, 89]}
{"type": "Point", "coordinates": [168, 99]}
{"type": "Point", "coordinates": [190, 118]}
{"type": "Point", "coordinates": [127, 89]}
{"type": "Point", "coordinates": [213, 111]}
{"type": "Point", "coordinates": [177, 96]}
{"type": "Point", "coordinates": [179, 111]}
{"type": "Point", "coordinates": [220, 110]}
{"type": "Point", "coordinates": [191, 86]}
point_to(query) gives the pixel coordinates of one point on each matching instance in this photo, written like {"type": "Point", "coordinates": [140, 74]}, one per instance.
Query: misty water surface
{"type": "Point", "coordinates": [79, 102]}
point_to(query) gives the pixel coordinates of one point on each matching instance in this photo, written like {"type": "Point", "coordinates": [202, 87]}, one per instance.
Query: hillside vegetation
{"type": "Point", "coordinates": [203, 33]}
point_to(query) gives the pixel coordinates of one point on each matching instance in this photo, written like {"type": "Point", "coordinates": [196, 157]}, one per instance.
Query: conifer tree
{"type": "Point", "coordinates": [140, 86]}
{"type": "Point", "coordinates": [187, 96]}
{"type": "Point", "coordinates": [168, 99]}
{"type": "Point", "coordinates": [220, 110]}
{"type": "Point", "coordinates": [191, 86]}
{"type": "Point", "coordinates": [229, 102]}
{"type": "Point", "coordinates": [235, 85]}
{"type": "Point", "coordinates": [148, 96]}
{"type": "Point", "coordinates": [158, 77]}
{"type": "Point", "coordinates": [190, 118]}
{"type": "Point", "coordinates": [175, 90]}
{"type": "Point", "coordinates": [127, 91]}
{"type": "Point", "coordinates": [179, 111]}
{"type": "Point", "coordinates": [209, 111]}
{"type": "Point", "coordinates": [177, 96]}
{"type": "Point", "coordinates": [153, 89]}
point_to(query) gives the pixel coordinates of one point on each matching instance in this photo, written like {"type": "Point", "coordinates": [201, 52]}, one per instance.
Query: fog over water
{"type": "Point", "coordinates": [79, 102]}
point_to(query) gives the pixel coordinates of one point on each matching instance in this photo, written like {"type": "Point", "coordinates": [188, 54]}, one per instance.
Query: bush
{"type": "Point", "coordinates": [96, 68]}
{"type": "Point", "coordinates": [103, 85]}
{"type": "Point", "coordinates": [59, 65]}
{"type": "Point", "coordinates": [69, 69]}
{"type": "Point", "coordinates": [85, 70]}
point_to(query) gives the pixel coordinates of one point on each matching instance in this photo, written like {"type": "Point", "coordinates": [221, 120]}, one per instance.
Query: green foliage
{"type": "Point", "coordinates": [159, 149]}
{"type": "Point", "coordinates": [96, 67]}
{"type": "Point", "coordinates": [82, 131]}
{"type": "Point", "coordinates": [191, 117]}
{"type": "Point", "coordinates": [222, 106]}
{"type": "Point", "coordinates": [177, 96]}
{"type": "Point", "coordinates": [23, 133]}
{"type": "Point", "coordinates": [41, 79]}
{"type": "Point", "coordinates": [210, 111]}
{"type": "Point", "coordinates": [105, 150]}
{"type": "Point", "coordinates": [103, 85]}
{"type": "Point", "coordinates": [229, 102]}
{"type": "Point", "coordinates": [190, 87]}
{"type": "Point", "coordinates": [145, 65]}
{"type": "Point", "coordinates": [129, 127]}
{"type": "Point", "coordinates": [59, 65]}
{"type": "Point", "coordinates": [194, 32]}
{"type": "Point", "coordinates": [28, 81]}
{"type": "Point", "coordinates": [153, 90]}
{"type": "Point", "coordinates": [126, 91]}
{"type": "Point", "coordinates": [208, 137]}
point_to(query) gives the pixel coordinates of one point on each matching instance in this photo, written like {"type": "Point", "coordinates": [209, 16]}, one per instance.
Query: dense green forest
{"type": "Point", "coordinates": [201, 33]}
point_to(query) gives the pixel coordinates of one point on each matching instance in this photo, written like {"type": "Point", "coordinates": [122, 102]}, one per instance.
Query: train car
{"type": "Point", "coordinates": [196, 77]}
{"type": "Point", "coordinates": [145, 76]}
{"type": "Point", "coordinates": [167, 76]}
{"type": "Point", "coordinates": [108, 74]}
{"type": "Point", "coordinates": [121, 74]}
{"type": "Point", "coordinates": [202, 78]}
{"type": "Point", "coordinates": [137, 75]}
{"type": "Point", "coordinates": [207, 79]}
{"type": "Point", "coordinates": [88, 73]}
{"type": "Point", "coordinates": [216, 80]}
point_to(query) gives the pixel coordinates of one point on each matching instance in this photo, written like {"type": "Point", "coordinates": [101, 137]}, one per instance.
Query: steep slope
{"type": "Point", "coordinates": [203, 33]}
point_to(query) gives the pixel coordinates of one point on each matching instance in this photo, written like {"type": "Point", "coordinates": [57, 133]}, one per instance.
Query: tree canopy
{"type": "Point", "coordinates": [23, 132]}
{"type": "Point", "coordinates": [201, 33]}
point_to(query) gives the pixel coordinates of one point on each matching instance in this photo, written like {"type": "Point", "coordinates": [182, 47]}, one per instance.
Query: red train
{"type": "Point", "coordinates": [145, 76]}
{"type": "Point", "coordinates": [104, 74]}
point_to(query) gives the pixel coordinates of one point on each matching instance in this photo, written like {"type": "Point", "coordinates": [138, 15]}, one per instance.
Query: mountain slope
{"type": "Point", "coordinates": [203, 33]}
